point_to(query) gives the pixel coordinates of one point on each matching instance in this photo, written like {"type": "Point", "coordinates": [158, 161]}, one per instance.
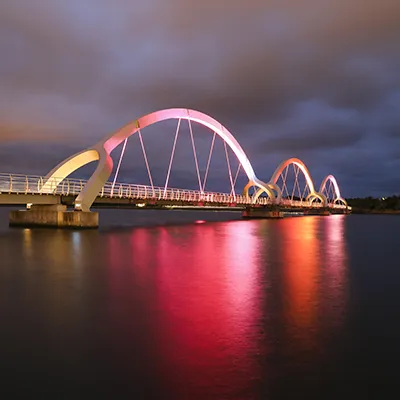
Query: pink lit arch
{"type": "Point", "coordinates": [102, 150]}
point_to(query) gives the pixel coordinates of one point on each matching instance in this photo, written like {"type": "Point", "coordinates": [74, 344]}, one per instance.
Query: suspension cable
{"type": "Point", "coordinates": [195, 155]}
{"type": "Point", "coordinates": [284, 181]}
{"type": "Point", "coordinates": [172, 157]}
{"type": "Point", "coordinates": [331, 190]}
{"type": "Point", "coordinates": [304, 191]}
{"type": "Point", "coordinates": [208, 161]}
{"type": "Point", "coordinates": [119, 166]}
{"type": "Point", "coordinates": [145, 160]}
{"type": "Point", "coordinates": [229, 169]}
{"type": "Point", "coordinates": [296, 176]}
{"type": "Point", "coordinates": [237, 174]}
{"type": "Point", "coordinates": [298, 184]}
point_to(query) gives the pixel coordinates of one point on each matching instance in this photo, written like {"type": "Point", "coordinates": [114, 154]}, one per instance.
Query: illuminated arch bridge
{"type": "Point", "coordinates": [290, 186]}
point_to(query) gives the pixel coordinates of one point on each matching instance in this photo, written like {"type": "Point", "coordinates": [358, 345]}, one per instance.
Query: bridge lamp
{"type": "Point", "coordinates": [28, 206]}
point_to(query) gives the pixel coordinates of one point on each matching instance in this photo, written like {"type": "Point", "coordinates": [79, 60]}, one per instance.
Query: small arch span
{"type": "Point", "coordinates": [278, 173]}
{"type": "Point", "coordinates": [330, 186]}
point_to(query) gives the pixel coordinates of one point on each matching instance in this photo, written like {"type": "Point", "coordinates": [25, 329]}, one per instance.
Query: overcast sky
{"type": "Point", "coordinates": [314, 79]}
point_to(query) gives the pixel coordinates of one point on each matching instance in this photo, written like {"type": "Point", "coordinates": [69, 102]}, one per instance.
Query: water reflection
{"type": "Point", "coordinates": [56, 247]}
{"type": "Point", "coordinates": [314, 273]}
{"type": "Point", "coordinates": [198, 309]}
{"type": "Point", "coordinates": [301, 259]}
{"type": "Point", "coordinates": [27, 247]}
{"type": "Point", "coordinates": [206, 288]}
{"type": "Point", "coordinates": [206, 298]}
{"type": "Point", "coordinates": [336, 268]}
{"type": "Point", "coordinates": [57, 262]}
{"type": "Point", "coordinates": [242, 263]}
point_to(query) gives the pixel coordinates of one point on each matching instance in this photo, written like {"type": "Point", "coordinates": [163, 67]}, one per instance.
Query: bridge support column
{"type": "Point", "coordinates": [250, 213]}
{"type": "Point", "coordinates": [53, 216]}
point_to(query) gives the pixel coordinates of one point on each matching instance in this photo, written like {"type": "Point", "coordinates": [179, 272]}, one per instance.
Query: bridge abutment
{"type": "Point", "coordinates": [250, 213]}
{"type": "Point", "coordinates": [53, 216]}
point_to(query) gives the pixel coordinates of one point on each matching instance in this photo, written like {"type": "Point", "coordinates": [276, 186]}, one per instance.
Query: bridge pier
{"type": "Point", "coordinates": [53, 216]}
{"type": "Point", "coordinates": [250, 213]}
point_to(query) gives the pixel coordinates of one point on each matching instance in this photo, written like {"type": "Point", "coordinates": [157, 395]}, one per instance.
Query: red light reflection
{"type": "Point", "coordinates": [204, 297]}
{"type": "Point", "coordinates": [207, 297]}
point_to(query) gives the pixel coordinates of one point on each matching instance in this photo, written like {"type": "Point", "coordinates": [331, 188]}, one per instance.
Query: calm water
{"type": "Point", "coordinates": [302, 307]}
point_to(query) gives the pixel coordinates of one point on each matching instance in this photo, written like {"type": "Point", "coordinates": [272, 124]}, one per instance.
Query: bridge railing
{"type": "Point", "coordinates": [300, 203]}
{"type": "Point", "coordinates": [33, 184]}
{"type": "Point", "coordinates": [123, 190]}
{"type": "Point", "coordinates": [14, 183]}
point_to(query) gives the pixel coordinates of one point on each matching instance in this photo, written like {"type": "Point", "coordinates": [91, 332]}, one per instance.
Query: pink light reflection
{"type": "Point", "coordinates": [208, 295]}
{"type": "Point", "coordinates": [335, 274]}
{"type": "Point", "coordinates": [242, 269]}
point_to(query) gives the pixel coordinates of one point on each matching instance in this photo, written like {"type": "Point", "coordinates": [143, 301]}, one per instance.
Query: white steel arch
{"type": "Point", "coordinates": [331, 178]}
{"type": "Point", "coordinates": [102, 150]}
{"type": "Point", "coordinates": [272, 184]}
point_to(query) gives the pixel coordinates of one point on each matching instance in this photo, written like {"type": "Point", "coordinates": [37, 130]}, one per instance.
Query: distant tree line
{"type": "Point", "coordinates": [372, 204]}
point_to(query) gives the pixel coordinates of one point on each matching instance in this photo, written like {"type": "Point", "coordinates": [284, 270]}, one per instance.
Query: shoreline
{"type": "Point", "coordinates": [376, 212]}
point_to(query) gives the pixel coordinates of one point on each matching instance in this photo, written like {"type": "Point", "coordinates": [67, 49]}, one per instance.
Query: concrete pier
{"type": "Point", "coordinates": [250, 213]}
{"type": "Point", "coordinates": [54, 216]}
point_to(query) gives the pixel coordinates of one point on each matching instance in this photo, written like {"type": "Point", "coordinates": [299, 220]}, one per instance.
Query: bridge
{"type": "Point", "coordinates": [59, 200]}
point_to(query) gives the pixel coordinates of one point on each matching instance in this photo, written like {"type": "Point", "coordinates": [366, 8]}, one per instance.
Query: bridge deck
{"type": "Point", "coordinates": [26, 189]}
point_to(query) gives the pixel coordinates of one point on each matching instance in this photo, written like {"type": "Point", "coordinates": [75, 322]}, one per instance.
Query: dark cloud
{"type": "Point", "coordinates": [326, 137]}
{"type": "Point", "coordinates": [312, 79]}
{"type": "Point", "coordinates": [313, 126]}
{"type": "Point", "coordinates": [33, 158]}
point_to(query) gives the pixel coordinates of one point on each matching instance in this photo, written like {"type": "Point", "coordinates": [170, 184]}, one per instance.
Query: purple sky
{"type": "Point", "coordinates": [314, 79]}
